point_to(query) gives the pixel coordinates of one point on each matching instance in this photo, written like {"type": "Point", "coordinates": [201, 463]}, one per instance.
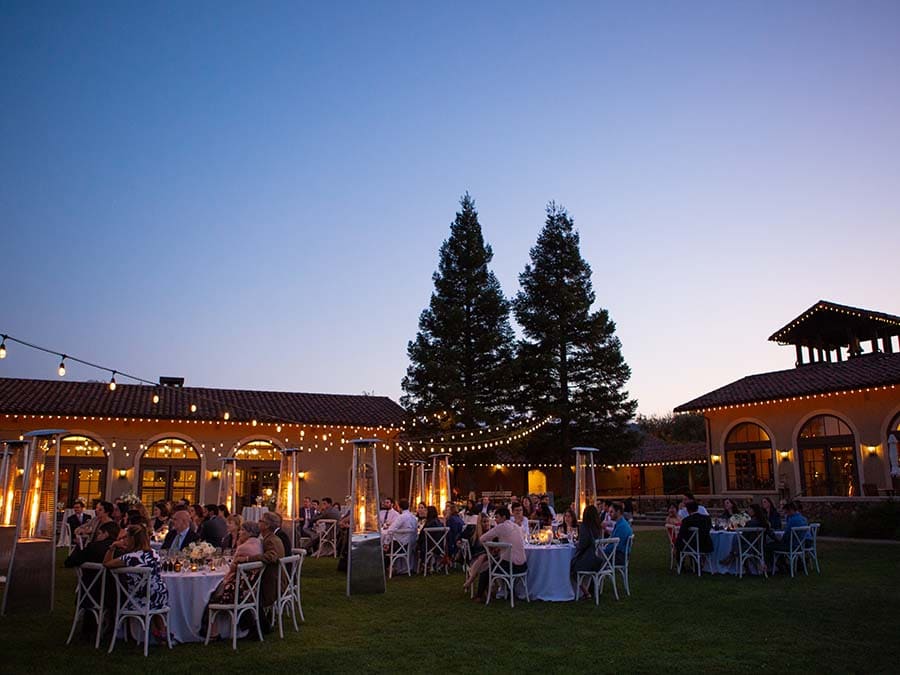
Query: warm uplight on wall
{"type": "Point", "coordinates": [873, 450]}
{"type": "Point", "coordinates": [498, 467]}
{"type": "Point", "coordinates": [784, 454]}
{"type": "Point", "coordinates": [301, 475]}
{"type": "Point", "coordinates": [215, 474]}
{"type": "Point", "coordinates": [226, 415]}
{"type": "Point", "coordinates": [715, 458]}
{"type": "Point", "coordinates": [123, 473]}
{"type": "Point", "coordinates": [193, 407]}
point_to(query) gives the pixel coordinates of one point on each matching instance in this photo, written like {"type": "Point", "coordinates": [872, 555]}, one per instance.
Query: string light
{"type": "Point", "coordinates": [193, 407]}
{"type": "Point", "coordinates": [112, 381]}
{"type": "Point", "coordinates": [155, 398]}
{"type": "Point", "coordinates": [62, 367]}
{"type": "Point", "coordinates": [3, 348]}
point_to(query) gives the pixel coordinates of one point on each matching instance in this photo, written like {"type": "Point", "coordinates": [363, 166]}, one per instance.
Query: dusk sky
{"type": "Point", "coordinates": [253, 195]}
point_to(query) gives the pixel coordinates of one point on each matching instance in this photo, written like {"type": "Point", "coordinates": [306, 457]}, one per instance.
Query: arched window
{"type": "Point", "coordinates": [170, 469]}
{"type": "Point", "coordinates": [827, 453]}
{"type": "Point", "coordinates": [258, 465]}
{"type": "Point", "coordinates": [748, 458]}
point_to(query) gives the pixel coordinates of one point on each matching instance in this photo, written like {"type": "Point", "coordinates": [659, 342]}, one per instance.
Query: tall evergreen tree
{"type": "Point", "coordinates": [460, 360]}
{"type": "Point", "coordinates": [571, 360]}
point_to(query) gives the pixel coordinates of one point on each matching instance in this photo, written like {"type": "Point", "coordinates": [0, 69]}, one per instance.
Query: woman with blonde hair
{"type": "Point", "coordinates": [233, 524]}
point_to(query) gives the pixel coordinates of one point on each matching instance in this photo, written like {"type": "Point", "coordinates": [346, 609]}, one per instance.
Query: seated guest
{"type": "Point", "coordinates": [78, 518]}
{"type": "Point", "coordinates": [94, 552]}
{"type": "Point", "coordinates": [478, 556]}
{"type": "Point", "coordinates": [135, 517]}
{"type": "Point", "coordinates": [542, 514]}
{"type": "Point", "coordinates": [485, 506]}
{"type": "Point", "coordinates": [545, 499]}
{"type": "Point", "coordinates": [213, 527]}
{"type": "Point", "coordinates": [672, 517]}
{"type": "Point", "coordinates": [792, 518]}
{"type": "Point", "coordinates": [102, 514]}
{"type": "Point", "coordinates": [569, 524]}
{"type": "Point", "coordinates": [729, 509]}
{"type": "Point", "coordinates": [198, 515]}
{"type": "Point", "coordinates": [180, 533]}
{"type": "Point", "coordinates": [327, 511]}
{"type": "Point", "coordinates": [421, 512]}
{"type": "Point", "coordinates": [757, 519]}
{"type": "Point", "coordinates": [527, 506]}
{"type": "Point", "coordinates": [120, 514]}
{"type": "Point", "coordinates": [308, 514]}
{"type": "Point", "coordinates": [621, 529]}
{"type": "Point", "coordinates": [248, 545]}
{"type": "Point", "coordinates": [470, 507]}
{"type": "Point", "coordinates": [456, 524]}
{"type": "Point", "coordinates": [275, 522]}
{"type": "Point", "coordinates": [136, 552]}
{"type": "Point", "coordinates": [160, 518]}
{"type": "Point", "coordinates": [703, 525]}
{"type": "Point", "coordinates": [590, 529]}
{"type": "Point", "coordinates": [233, 526]}
{"type": "Point", "coordinates": [387, 514]}
{"type": "Point", "coordinates": [689, 497]}
{"type": "Point", "coordinates": [273, 552]}
{"type": "Point", "coordinates": [406, 521]}
{"type": "Point", "coordinates": [518, 518]}
{"type": "Point", "coordinates": [223, 512]}
{"type": "Point", "coordinates": [505, 531]}
{"type": "Point", "coordinates": [772, 514]}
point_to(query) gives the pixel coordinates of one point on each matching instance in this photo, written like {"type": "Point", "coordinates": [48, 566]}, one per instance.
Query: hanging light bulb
{"type": "Point", "coordinates": [112, 381]}
{"type": "Point", "coordinates": [227, 415]}
{"type": "Point", "coordinates": [156, 398]}
{"type": "Point", "coordinates": [193, 407]}
{"type": "Point", "coordinates": [62, 367]}
{"type": "Point", "coordinates": [3, 348]}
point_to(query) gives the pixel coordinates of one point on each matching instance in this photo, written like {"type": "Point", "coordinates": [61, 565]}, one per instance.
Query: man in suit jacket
{"type": "Point", "coordinates": [78, 518]}
{"type": "Point", "coordinates": [703, 525]}
{"type": "Point", "coordinates": [273, 552]}
{"type": "Point", "coordinates": [180, 533]}
{"type": "Point", "coordinates": [214, 527]}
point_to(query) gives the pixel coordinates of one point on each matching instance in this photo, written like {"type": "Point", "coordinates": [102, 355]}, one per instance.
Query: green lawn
{"type": "Point", "coordinates": [844, 620]}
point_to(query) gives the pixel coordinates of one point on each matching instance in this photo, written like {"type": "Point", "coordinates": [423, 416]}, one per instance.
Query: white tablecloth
{"type": "Point", "coordinates": [724, 544]}
{"type": "Point", "coordinates": [548, 572]}
{"type": "Point", "coordinates": [253, 513]}
{"type": "Point", "coordinates": [189, 594]}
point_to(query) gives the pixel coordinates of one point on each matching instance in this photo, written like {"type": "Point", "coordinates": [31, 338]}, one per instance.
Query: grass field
{"type": "Point", "coordinates": [845, 620]}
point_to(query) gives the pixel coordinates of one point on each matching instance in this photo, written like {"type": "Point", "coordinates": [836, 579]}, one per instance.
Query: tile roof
{"type": "Point", "coordinates": [58, 397]}
{"type": "Point", "coordinates": [828, 324]}
{"type": "Point", "coordinates": [861, 372]}
{"type": "Point", "coordinates": [654, 450]}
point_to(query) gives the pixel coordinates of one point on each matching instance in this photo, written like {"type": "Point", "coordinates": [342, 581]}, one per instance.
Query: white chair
{"type": "Point", "coordinates": [750, 547]}
{"type": "Point", "coordinates": [692, 550]}
{"type": "Point", "coordinates": [134, 603]}
{"type": "Point", "coordinates": [435, 549]}
{"type": "Point", "coordinates": [811, 548]}
{"type": "Point", "coordinates": [672, 534]}
{"type": "Point", "coordinates": [288, 590]}
{"type": "Point", "coordinates": [623, 568]}
{"type": "Point", "coordinates": [297, 592]}
{"type": "Point", "coordinates": [796, 549]}
{"type": "Point", "coordinates": [400, 549]}
{"type": "Point", "coordinates": [327, 536]}
{"type": "Point", "coordinates": [465, 554]}
{"type": "Point", "coordinates": [607, 568]}
{"type": "Point", "coordinates": [501, 571]}
{"type": "Point", "coordinates": [246, 599]}
{"type": "Point", "coordinates": [86, 597]}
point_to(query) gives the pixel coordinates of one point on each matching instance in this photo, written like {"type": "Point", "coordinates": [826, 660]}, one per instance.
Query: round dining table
{"type": "Point", "coordinates": [189, 593]}
{"type": "Point", "coordinates": [548, 572]}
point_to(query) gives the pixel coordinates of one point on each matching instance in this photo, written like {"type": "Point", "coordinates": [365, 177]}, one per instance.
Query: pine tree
{"type": "Point", "coordinates": [570, 359]}
{"type": "Point", "coordinates": [460, 360]}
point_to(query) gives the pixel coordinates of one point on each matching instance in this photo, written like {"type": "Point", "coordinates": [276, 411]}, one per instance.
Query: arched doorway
{"type": "Point", "coordinates": [83, 463]}
{"type": "Point", "coordinates": [827, 449]}
{"type": "Point", "coordinates": [749, 458]}
{"type": "Point", "coordinates": [169, 469]}
{"type": "Point", "coordinates": [258, 464]}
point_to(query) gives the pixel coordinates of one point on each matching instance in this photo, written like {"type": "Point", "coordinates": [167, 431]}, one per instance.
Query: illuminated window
{"type": "Point", "coordinates": [259, 451]}
{"type": "Point", "coordinates": [171, 448]}
{"type": "Point", "coordinates": [827, 457]}
{"type": "Point", "coordinates": [748, 458]}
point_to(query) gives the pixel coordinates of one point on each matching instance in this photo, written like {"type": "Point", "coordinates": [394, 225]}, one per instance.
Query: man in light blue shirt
{"type": "Point", "coordinates": [621, 529]}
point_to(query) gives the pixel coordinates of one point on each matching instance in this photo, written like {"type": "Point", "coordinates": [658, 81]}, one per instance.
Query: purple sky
{"type": "Point", "coordinates": [254, 196]}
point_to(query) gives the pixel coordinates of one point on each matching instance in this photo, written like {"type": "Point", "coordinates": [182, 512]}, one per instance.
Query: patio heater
{"type": "Point", "coordinates": [416, 483]}
{"type": "Point", "coordinates": [289, 491]}
{"type": "Point", "coordinates": [440, 481]}
{"type": "Point", "coordinates": [585, 481]}
{"type": "Point", "coordinates": [32, 562]}
{"type": "Point", "coordinates": [12, 459]}
{"type": "Point", "coordinates": [228, 484]}
{"type": "Point", "coordinates": [365, 562]}
{"type": "Point", "coordinates": [429, 487]}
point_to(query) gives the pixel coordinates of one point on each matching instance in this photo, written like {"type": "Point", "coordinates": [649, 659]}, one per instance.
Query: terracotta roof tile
{"type": "Point", "coordinates": [654, 450]}
{"type": "Point", "coordinates": [868, 370]}
{"type": "Point", "coordinates": [56, 397]}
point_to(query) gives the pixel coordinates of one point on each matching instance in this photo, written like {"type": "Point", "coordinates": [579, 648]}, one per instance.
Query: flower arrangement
{"type": "Point", "coordinates": [738, 520]}
{"type": "Point", "coordinates": [130, 498]}
{"type": "Point", "coordinates": [200, 550]}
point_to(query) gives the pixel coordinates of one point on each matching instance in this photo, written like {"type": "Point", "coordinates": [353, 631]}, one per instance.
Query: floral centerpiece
{"type": "Point", "coordinates": [200, 551]}
{"type": "Point", "coordinates": [130, 498]}
{"type": "Point", "coordinates": [738, 520]}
